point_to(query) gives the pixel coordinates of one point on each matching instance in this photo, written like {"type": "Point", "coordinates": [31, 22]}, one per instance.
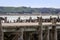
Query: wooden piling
{"type": "Point", "coordinates": [40, 31]}
{"type": "Point", "coordinates": [30, 19]}
{"type": "Point", "coordinates": [54, 30]}
{"type": "Point", "coordinates": [46, 36]}
{"type": "Point", "coordinates": [5, 20]}
{"type": "Point", "coordinates": [21, 34]}
{"type": "Point", "coordinates": [18, 20]}
{"type": "Point", "coordinates": [1, 30]}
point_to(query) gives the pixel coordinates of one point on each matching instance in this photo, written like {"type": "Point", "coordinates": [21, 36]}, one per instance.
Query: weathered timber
{"type": "Point", "coordinates": [40, 31]}
{"type": "Point", "coordinates": [18, 20]}
{"type": "Point", "coordinates": [54, 30]}
{"type": "Point", "coordinates": [46, 34]}
{"type": "Point", "coordinates": [21, 34]}
{"type": "Point", "coordinates": [1, 30]}
{"type": "Point", "coordinates": [5, 20]}
{"type": "Point", "coordinates": [31, 36]}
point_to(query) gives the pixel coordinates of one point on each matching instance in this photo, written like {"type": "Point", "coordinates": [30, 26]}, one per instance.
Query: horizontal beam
{"type": "Point", "coordinates": [28, 24]}
{"type": "Point", "coordinates": [26, 29]}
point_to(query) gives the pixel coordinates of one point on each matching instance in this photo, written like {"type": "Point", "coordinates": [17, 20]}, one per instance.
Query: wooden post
{"type": "Point", "coordinates": [14, 21]}
{"type": "Point", "coordinates": [5, 20]}
{"type": "Point", "coordinates": [18, 20]}
{"type": "Point", "coordinates": [40, 32]}
{"type": "Point", "coordinates": [31, 36]}
{"type": "Point", "coordinates": [37, 19]}
{"type": "Point", "coordinates": [46, 36]}
{"type": "Point", "coordinates": [54, 30]}
{"type": "Point", "coordinates": [1, 31]}
{"type": "Point", "coordinates": [30, 19]}
{"type": "Point", "coordinates": [21, 34]}
{"type": "Point", "coordinates": [25, 38]}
